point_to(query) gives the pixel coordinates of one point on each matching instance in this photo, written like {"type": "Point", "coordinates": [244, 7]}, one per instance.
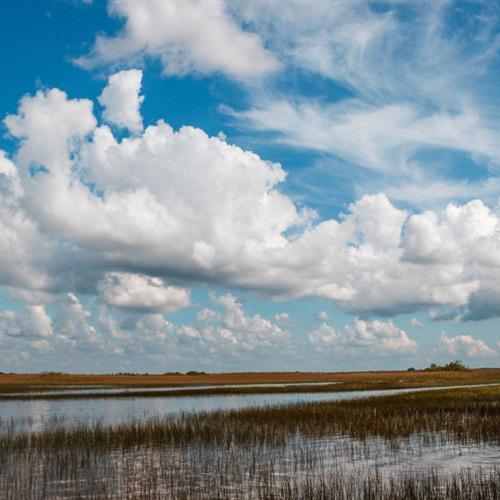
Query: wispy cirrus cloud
{"type": "Point", "coordinates": [416, 78]}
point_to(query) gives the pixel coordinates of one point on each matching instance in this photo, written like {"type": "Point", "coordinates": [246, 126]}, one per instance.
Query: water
{"type": "Point", "coordinates": [415, 453]}
{"type": "Point", "coordinates": [89, 390]}
{"type": "Point", "coordinates": [42, 413]}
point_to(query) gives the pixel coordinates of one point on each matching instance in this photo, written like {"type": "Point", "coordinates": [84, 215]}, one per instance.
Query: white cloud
{"type": "Point", "coordinates": [429, 192]}
{"type": "Point", "coordinates": [361, 337]}
{"type": "Point", "coordinates": [188, 36]}
{"type": "Point", "coordinates": [49, 126]}
{"type": "Point", "coordinates": [73, 324]}
{"type": "Point", "coordinates": [325, 338]}
{"type": "Point", "coordinates": [182, 205]}
{"type": "Point", "coordinates": [30, 323]}
{"type": "Point", "coordinates": [465, 345]}
{"type": "Point", "coordinates": [374, 52]}
{"type": "Point", "coordinates": [232, 329]}
{"type": "Point", "coordinates": [121, 100]}
{"type": "Point", "coordinates": [402, 86]}
{"type": "Point", "coordinates": [381, 138]}
{"type": "Point", "coordinates": [381, 335]}
{"type": "Point", "coordinates": [416, 323]}
{"type": "Point", "coordinates": [20, 266]}
{"type": "Point", "coordinates": [141, 293]}
{"type": "Point", "coordinates": [282, 318]}
{"type": "Point", "coordinates": [322, 316]}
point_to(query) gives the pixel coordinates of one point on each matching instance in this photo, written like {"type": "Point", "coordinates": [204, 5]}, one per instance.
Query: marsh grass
{"type": "Point", "coordinates": [340, 450]}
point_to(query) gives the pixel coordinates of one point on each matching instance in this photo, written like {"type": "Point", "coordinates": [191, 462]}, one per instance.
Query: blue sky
{"type": "Point", "coordinates": [249, 185]}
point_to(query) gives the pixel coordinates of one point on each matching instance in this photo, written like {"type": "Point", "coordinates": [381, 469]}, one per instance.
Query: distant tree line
{"type": "Point", "coordinates": [452, 366]}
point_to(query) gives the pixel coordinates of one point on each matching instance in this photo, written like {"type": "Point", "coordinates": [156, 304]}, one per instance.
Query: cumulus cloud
{"type": "Point", "coordinates": [382, 335]}
{"type": "Point", "coordinates": [465, 345]}
{"type": "Point", "coordinates": [220, 334]}
{"type": "Point", "coordinates": [32, 323]}
{"type": "Point", "coordinates": [360, 336]}
{"type": "Point", "coordinates": [48, 126]}
{"type": "Point", "coordinates": [178, 204]}
{"type": "Point", "coordinates": [74, 324]}
{"type": "Point", "coordinates": [189, 36]}
{"type": "Point", "coordinates": [141, 293]}
{"type": "Point", "coordinates": [20, 266]}
{"type": "Point", "coordinates": [234, 330]}
{"type": "Point", "coordinates": [121, 100]}
{"type": "Point", "coordinates": [325, 338]}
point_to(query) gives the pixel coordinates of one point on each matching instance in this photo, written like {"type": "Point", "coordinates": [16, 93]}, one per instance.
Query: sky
{"type": "Point", "coordinates": [249, 186]}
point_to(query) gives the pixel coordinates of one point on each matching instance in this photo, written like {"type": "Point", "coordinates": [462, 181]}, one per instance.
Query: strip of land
{"type": "Point", "coordinates": [26, 386]}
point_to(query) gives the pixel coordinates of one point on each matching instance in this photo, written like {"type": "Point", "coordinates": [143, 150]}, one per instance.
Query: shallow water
{"type": "Point", "coordinates": [37, 414]}
{"type": "Point", "coordinates": [241, 471]}
{"type": "Point", "coordinates": [76, 390]}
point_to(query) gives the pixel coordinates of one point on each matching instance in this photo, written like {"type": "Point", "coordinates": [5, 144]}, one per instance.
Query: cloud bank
{"type": "Point", "coordinates": [166, 204]}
